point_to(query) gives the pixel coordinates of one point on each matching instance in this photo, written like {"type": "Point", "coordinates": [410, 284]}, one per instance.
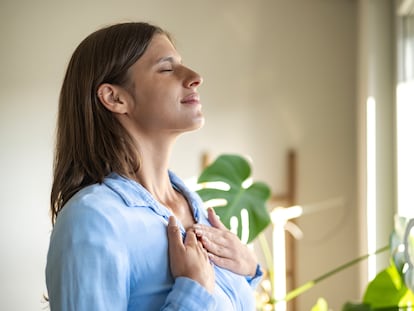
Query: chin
{"type": "Point", "coordinates": [202, 121]}
{"type": "Point", "coordinates": [197, 124]}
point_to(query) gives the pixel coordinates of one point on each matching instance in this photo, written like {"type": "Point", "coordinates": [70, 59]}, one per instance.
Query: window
{"type": "Point", "coordinates": [405, 112]}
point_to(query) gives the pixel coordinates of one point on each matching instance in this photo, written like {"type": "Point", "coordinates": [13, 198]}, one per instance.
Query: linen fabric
{"type": "Point", "coordinates": [109, 251]}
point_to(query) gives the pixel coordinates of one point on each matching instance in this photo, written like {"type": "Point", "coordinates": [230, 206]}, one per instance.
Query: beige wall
{"type": "Point", "coordinates": [278, 75]}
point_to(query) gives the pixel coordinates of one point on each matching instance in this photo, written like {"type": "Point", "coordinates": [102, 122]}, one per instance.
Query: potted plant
{"type": "Point", "coordinates": [228, 180]}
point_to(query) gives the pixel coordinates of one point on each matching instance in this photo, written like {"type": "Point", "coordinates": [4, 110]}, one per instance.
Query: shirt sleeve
{"type": "Point", "coordinates": [255, 280]}
{"type": "Point", "coordinates": [87, 268]}
{"type": "Point", "coordinates": [188, 295]}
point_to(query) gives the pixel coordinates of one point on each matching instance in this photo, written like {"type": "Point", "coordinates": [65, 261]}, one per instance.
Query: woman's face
{"type": "Point", "coordinates": [164, 91]}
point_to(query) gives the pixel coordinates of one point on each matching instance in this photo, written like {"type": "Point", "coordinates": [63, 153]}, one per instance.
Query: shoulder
{"type": "Point", "coordinates": [88, 234]}
{"type": "Point", "coordinates": [110, 209]}
{"type": "Point", "coordinates": [93, 214]}
{"type": "Point", "coordinates": [87, 258]}
{"type": "Point", "coordinates": [95, 201]}
{"type": "Point", "coordinates": [98, 202]}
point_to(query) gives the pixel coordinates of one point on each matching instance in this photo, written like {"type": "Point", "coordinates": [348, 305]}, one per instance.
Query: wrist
{"type": "Point", "coordinates": [253, 266]}
{"type": "Point", "coordinates": [253, 270]}
{"type": "Point", "coordinates": [254, 281]}
{"type": "Point", "coordinates": [257, 273]}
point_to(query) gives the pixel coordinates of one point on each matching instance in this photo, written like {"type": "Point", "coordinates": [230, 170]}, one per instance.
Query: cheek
{"type": "Point", "coordinates": [153, 108]}
{"type": "Point", "coordinates": [152, 94]}
{"type": "Point", "coordinates": [156, 99]}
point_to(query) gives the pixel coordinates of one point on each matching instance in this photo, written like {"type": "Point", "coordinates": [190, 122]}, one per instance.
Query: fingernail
{"type": "Point", "coordinates": [172, 221]}
{"type": "Point", "coordinates": [198, 231]}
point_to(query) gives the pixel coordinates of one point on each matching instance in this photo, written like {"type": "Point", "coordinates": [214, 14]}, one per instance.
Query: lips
{"type": "Point", "coordinates": [193, 98]}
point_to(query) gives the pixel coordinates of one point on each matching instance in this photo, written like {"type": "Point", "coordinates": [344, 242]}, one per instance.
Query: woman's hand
{"type": "Point", "coordinates": [189, 258]}
{"type": "Point", "coordinates": [224, 247]}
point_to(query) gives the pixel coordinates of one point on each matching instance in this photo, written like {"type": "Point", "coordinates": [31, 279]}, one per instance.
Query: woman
{"type": "Point", "coordinates": [128, 234]}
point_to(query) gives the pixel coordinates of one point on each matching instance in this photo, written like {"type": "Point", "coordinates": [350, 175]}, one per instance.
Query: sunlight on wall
{"type": "Point", "coordinates": [405, 148]}
{"type": "Point", "coordinates": [280, 217]}
{"type": "Point", "coordinates": [371, 184]}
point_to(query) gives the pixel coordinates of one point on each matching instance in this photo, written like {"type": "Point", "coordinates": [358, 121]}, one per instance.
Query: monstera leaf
{"type": "Point", "coordinates": [387, 290]}
{"type": "Point", "coordinates": [232, 171]}
{"type": "Point", "coordinates": [403, 264]}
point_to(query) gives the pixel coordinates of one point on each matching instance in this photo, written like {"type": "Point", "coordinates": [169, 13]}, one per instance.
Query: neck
{"type": "Point", "coordinates": [153, 173]}
{"type": "Point", "coordinates": [153, 176]}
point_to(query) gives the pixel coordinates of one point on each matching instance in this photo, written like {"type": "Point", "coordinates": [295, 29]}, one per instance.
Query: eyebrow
{"type": "Point", "coordinates": [169, 59]}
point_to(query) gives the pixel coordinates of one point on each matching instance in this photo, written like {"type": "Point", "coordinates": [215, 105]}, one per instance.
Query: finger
{"type": "Point", "coordinates": [203, 250]}
{"type": "Point", "coordinates": [219, 236]}
{"type": "Point", "coordinates": [191, 241]}
{"type": "Point", "coordinates": [221, 261]}
{"type": "Point", "coordinates": [174, 235]}
{"type": "Point", "coordinates": [216, 249]}
{"type": "Point", "coordinates": [214, 219]}
{"type": "Point", "coordinates": [190, 238]}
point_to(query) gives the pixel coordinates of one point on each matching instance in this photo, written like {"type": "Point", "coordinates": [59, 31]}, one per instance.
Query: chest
{"type": "Point", "coordinates": [150, 276]}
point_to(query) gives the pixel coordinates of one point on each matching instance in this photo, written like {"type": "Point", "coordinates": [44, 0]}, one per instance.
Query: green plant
{"type": "Point", "coordinates": [225, 179]}
{"type": "Point", "coordinates": [390, 290]}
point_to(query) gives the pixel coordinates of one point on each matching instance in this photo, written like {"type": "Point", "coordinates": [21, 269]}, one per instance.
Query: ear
{"type": "Point", "coordinates": [112, 97]}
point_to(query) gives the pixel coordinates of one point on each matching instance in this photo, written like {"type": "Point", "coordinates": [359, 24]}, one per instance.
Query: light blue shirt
{"type": "Point", "coordinates": [109, 251]}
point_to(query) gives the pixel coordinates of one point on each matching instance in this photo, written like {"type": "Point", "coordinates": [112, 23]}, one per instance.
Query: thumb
{"type": "Point", "coordinates": [214, 219]}
{"type": "Point", "coordinates": [175, 240]}
{"type": "Point", "coordinates": [190, 238]}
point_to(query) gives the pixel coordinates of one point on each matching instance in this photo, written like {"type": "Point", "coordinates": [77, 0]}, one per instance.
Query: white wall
{"type": "Point", "coordinates": [278, 74]}
{"type": "Point", "coordinates": [377, 80]}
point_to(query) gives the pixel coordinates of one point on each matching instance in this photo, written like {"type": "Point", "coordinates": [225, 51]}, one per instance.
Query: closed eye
{"type": "Point", "coordinates": [167, 64]}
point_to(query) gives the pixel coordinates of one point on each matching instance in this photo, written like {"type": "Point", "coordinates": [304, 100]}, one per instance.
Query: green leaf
{"type": "Point", "coordinates": [397, 252]}
{"type": "Point", "coordinates": [321, 305]}
{"type": "Point", "coordinates": [388, 290]}
{"type": "Point", "coordinates": [234, 170]}
{"type": "Point", "coordinates": [403, 265]}
{"type": "Point", "coordinates": [350, 306]}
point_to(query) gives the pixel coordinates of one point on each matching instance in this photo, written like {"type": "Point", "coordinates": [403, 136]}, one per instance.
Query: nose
{"type": "Point", "coordinates": [193, 79]}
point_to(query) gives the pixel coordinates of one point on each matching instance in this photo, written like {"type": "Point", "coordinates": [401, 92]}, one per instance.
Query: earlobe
{"type": "Point", "coordinates": [109, 96]}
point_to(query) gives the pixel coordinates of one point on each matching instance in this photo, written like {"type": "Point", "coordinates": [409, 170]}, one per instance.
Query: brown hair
{"type": "Point", "coordinates": [90, 142]}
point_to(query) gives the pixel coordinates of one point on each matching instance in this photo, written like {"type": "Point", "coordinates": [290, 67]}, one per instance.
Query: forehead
{"type": "Point", "coordinates": [158, 49]}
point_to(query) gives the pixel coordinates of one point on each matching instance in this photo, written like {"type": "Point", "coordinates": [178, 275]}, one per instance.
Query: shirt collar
{"type": "Point", "coordinates": [135, 195]}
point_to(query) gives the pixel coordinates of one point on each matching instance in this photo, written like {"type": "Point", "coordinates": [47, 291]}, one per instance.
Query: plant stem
{"type": "Point", "coordinates": [266, 250]}
{"type": "Point", "coordinates": [308, 285]}
{"type": "Point", "coordinates": [268, 257]}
